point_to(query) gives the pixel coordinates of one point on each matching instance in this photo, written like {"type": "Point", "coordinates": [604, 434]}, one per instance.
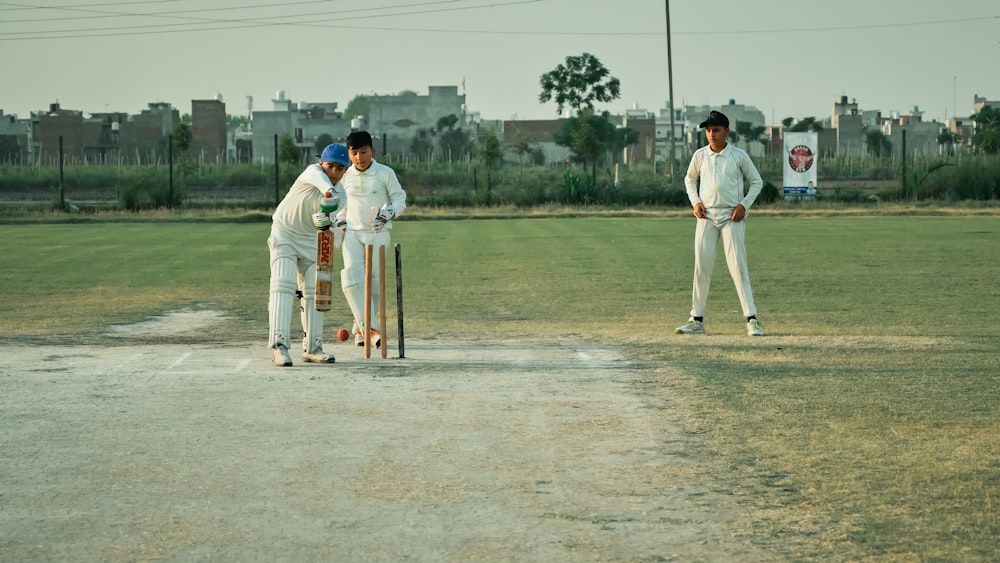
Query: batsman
{"type": "Point", "coordinates": [307, 206]}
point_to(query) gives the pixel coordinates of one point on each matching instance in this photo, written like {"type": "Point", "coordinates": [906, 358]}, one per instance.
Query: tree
{"type": "Point", "coordinates": [588, 137]}
{"type": "Point", "coordinates": [619, 138]}
{"type": "Point", "coordinates": [749, 132]}
{"type": "Point", "coordinates": [947, 139]}
{"type": "Point", "coordinates": [805, 124]}
{"type": "Point", "coordinates": [453, 141]}
{"type": "Point", "coordinates": [490, 154]}
{"type": "Point", "coordinates": [987, 135]}
{"type": "Point", "coordinates": [878, 144]}
{"type": "Point", "coordinates": [322, 141]}
{"type": "Point", "coordinates": [521, 149]}
{"type": "Point", "coordinates": [288, 153]}
{"type": "Point", "coordinates": [579, 83]}
{"type": "Point", "coordinates": [357, 106]}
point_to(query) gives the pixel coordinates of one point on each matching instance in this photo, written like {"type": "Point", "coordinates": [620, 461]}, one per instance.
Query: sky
{"type": "Point", "coordinates": [789, 59]}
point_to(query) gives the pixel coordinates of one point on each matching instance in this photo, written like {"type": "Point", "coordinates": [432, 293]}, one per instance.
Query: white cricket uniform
{"type": "Point", "coordinates": [293, 259]}
{"type": "Point", "coordinates": [364, 191]}
{"type": "Point", "coordinates": [721, 188]}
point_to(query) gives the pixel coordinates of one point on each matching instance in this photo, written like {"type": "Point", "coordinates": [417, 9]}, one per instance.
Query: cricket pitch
{"type": "Point", "coordinates": [512, 451]}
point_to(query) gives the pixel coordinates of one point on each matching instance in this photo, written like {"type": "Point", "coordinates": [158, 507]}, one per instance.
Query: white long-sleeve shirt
{"type": "Point", "coordinates": [374, 187]}
{"type": "Point", "coordinates": [294, 213]}
{"type": "Point", "coordinates": [722, 175]}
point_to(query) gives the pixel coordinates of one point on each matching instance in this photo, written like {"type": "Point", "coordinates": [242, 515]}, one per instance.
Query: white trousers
{"type": "Point", "coordinates": [706, 238]}
{"type": "Point", "coordinates": [352, 277]}
{"type": "Point", "coordinates": [293, 267]}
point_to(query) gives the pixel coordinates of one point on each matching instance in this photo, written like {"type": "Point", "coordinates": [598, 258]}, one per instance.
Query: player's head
{"type": "Point", "coordinates": [360, 149]}
{"type": "Point", "coordinates": [716, 127]}
{"type": "Point", "coordinates": [334, 160]}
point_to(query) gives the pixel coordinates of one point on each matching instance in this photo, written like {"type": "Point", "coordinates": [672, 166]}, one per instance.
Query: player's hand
{"type": "Point", "coordinates": [700, 211]}
{"type": "Point", "coordinates": [330, 203]}
{"type": "Point", "coordinates": [739, 212]}
{"type": "Point", "coordinates": [322, 221]}
{"type": "Point", "coordinates": [383, 216]}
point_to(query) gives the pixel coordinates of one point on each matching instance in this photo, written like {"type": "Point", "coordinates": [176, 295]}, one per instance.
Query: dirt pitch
{"type": "Point", "coordinates": [514, 451]}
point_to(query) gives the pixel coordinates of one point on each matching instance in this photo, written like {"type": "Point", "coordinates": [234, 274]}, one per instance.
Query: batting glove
{"type": "Point", "coordinates": [330, 203]}
{"type": "Point", "coordinates": [383, 216]}
{"type": "Point", "coordinates": [322, 221]}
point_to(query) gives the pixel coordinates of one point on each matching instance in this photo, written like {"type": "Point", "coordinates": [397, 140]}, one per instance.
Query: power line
{"type": "Point", "coordinates": [205, 24]}
{"type": "Point", "coordinates": [312, 19]}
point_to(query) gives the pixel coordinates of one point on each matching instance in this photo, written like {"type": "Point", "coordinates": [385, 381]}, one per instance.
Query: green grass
{"type": "Point", "coordinates": [863, 427]}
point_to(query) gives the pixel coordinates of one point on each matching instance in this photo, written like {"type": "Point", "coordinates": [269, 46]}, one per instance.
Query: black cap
{"type": "Point", "coordinates": [715, 118]}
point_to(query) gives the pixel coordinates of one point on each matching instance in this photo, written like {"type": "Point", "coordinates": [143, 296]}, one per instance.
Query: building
{"type": "Point", "coordinates": [305, 122]}
{"type": "Point", "coordinates": [919, 137]}
{"type": "Point", "coordinates": [539, 134]}
{"type": "Point", "coordinates": [143, 136]}
{"type": "Point", "coordinates": [208, 131]}
{"type": "Point", "coordinates": [401, 118]}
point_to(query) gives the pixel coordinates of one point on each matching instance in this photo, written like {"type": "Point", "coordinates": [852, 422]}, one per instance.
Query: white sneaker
{"type": "Point", "coordinates": [691, 327]}
{"type": "Point", "coordinates": [281, 356]}
{"type": "Point", "coordinates": [754, 328]}
{"type": "Point", "coordinates": [318, 357]}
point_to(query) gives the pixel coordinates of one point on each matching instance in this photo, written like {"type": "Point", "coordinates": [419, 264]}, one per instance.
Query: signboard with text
{"type": "Point", "coordinates": [800, 152]}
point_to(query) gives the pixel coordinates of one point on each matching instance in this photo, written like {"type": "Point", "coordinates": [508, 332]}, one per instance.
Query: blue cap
{"type": "Point", "coordinates": [335, 153]}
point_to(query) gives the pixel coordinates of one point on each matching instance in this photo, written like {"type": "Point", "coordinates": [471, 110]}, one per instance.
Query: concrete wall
{"type": "Point", "coordinates": [401, 118]}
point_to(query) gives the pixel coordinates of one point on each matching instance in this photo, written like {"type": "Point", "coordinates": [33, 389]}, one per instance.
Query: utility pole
{"type": "Point", "coordinates": [670, 93]}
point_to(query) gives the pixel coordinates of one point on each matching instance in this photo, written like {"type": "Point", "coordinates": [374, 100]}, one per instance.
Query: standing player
{"type": "Point", "coordinates": [374, 198]}
{"type": "Point", "coordinates": [304, 209]}
{"type": "Point", "coordinates": [721, 207]}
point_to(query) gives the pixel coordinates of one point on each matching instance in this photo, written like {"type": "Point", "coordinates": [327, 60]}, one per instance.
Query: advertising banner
{"type": "Point", "coordinates": [800, 154]}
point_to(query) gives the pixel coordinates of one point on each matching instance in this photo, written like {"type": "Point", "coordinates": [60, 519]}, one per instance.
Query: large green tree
{"type": "Point", "coordinates": [578, 83]}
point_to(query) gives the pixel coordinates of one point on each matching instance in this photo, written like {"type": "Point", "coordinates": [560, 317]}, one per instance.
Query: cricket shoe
{"type": "Point", "coordinates": [754, 328]}
{"type": "Point", "coordinates": [376, 339]}
{"type": "Point", "coordinates": [318, 357]}
{"type": "Point", "coordinates": [691, 327]}
{"type": "Point", "coordinates": [281, 356]}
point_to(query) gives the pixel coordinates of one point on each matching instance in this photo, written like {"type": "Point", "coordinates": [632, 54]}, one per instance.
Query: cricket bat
{"type": "Point", "coordinates": [324, 269]}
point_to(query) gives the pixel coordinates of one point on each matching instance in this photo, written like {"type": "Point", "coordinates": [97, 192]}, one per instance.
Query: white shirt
{"type": "Point", "coordinates": [294, 214]}
{"type": "Point", "coordinates": [374, 187]}
{"type": "Point", "coordinates": [722, 175]}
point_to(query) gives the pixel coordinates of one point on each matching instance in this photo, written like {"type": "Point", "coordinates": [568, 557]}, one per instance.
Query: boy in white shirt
{"type": "Point", "coordinates": [721, 207]}
{"type": "Point", "coordinates": [292, 245]}
{"type": "Point", "coordinates": [374, 199]}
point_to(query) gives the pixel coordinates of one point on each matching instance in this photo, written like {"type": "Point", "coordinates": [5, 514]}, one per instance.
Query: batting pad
{"type": "Point", "coordinates": [312, 320]}
{"type": "Point", "coordinates": [281, 301]}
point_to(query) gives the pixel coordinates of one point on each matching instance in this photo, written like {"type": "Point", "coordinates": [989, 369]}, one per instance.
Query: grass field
{"type": "Point", "coordinates": [863, 427]}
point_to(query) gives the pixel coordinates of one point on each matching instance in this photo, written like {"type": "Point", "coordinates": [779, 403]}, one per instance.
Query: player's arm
{"type": "Point", "coordinates": [691, 185]}
{"type": "Point", "coordinates": [751, 175]}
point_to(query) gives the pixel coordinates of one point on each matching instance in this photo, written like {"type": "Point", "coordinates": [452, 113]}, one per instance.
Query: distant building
{"type": "Point", "coordinates": [305, 122]}
{"type": "Point", "coordinates": [15, 135]}
{"type": "Point", "coordinates": [399, 119]}
{"type": "Point", "coordinates": [921, 137]}
{"type": "Point", "coordinates": [143, 136]}
{"type": "Point", "coordinates": [208, 131]}
{"type": "Point", "coordinates": [539, 134]}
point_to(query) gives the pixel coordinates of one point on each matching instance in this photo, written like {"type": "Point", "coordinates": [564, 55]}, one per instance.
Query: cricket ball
{"type": "Point", "coordinates": [343, 335]}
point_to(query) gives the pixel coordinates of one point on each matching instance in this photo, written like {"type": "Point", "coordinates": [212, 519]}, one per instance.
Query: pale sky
{"type": "Point", "coordinates": [787, 58]}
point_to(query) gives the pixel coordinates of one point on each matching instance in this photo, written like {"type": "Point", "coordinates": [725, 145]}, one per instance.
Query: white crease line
{"type": "Point", "coordinates": [179, 360]}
